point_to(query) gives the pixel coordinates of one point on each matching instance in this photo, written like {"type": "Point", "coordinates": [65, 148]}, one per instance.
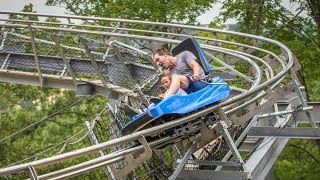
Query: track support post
{"type": "Point", "coordinates": [94, 140]}
{"type": "Point", "coordinates": [183, 161]}
{"type": "Point", "coordinates": [303, 102]}
{"type": "Point", "coordinates": [133, 162]}
{"type": "Point", "coordinates": [225, 133]}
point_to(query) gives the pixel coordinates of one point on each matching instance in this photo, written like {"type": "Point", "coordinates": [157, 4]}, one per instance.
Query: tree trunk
{"type": "Point", "coordinates": [248, 15]}
{"type": "Point", "coordinates": [260, 4]}
{"type": "Point", "coordinates": [314, 7]}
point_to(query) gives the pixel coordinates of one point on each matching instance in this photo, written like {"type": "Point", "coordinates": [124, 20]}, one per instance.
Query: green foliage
{"type": "Point", "coordinates": [126, 83]}
{"type": "Point", "coordinates": [254, 17]}
{"type": "Point", "coordinates": [25, 105]}
{"type": "Point", "coordinates": [168, 155]}
{"type": "Point", "coordinates": [312, 8]}
{"type": "Point", "coordinates": [275, 21]}
{"type": "Point", "coordinates": [299, 160]}
{"type": "Point", "coordinates": [180, 11]}
{"type": "Point", "coordinates": [26, 8]}
{"type": "Point", "coordinates": [308, 55]}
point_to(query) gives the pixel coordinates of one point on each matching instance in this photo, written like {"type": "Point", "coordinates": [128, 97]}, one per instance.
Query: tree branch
{"type": "Point", "coordinates": [306, 151]}
{"type": "Point", "coordinates": [285, 24]}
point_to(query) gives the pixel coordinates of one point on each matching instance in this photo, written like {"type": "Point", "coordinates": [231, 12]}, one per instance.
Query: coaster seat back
{"type": "Point", "coordinates": [192, 45]}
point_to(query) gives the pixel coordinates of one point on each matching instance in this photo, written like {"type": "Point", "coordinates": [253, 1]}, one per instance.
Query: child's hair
{"type": "Point", "coordinates": [165, 73]}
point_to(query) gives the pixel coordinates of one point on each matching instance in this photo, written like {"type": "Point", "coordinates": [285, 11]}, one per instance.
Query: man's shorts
{"type": "Point", "coordinates": [195, 86]}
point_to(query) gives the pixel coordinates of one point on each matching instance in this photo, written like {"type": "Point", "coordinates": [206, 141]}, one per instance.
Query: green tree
{"type": "Point", "coordinates": [312, 7]}
{"type": "Point", "coordinates": [272, 20]}
{"type": "Point", "coordinates": [179, 11]}
{"type": "Point", "coordinates": [26, 105]}
{"type": "Point", "coordinates": [300, 158]}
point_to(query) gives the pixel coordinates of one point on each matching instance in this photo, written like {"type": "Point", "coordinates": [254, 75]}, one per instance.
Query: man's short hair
{"type": "Point", "coordinates": [161, 51]}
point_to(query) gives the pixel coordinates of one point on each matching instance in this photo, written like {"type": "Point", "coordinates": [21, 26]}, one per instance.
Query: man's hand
{"type": "Point", "coordinates": [195, 77]}
{"type": "Point", "coordinates": [196, 70]}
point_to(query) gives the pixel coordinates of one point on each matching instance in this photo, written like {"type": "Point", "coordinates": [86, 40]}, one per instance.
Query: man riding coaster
{"type": "Point", "coordinates": [185, 74]}
{"type": "Point", "coordinates": [189, 67]}
{"type": "Point", "coordinates": [185, 69]}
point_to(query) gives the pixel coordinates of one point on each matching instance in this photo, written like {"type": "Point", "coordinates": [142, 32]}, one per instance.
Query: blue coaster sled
{"type": "Point", "coordinates": [175, 105]}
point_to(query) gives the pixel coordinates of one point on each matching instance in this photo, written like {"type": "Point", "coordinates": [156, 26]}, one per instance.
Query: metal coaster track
{"type": "Point", "coordinates": [112, 57]}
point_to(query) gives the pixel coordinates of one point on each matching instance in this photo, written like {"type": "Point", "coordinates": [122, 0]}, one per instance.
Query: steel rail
{"type": "Point", "coordinates": [123, 139]}
{"type": "Point", "coordinates": [160, 39]}
{"type": "Point", "coordinates": [259, 96]}
{"type": "Point", "coordinates": [137, 22]}
{"type": "Point", "coordinates": [52, 43]}
{"type": "Point", "coordinates": [145, 31]}
{"type": "Point", "coordinates": [144, 22]}
{"type": "Point", "coordinates": [101, 146]}
{"type": "Point", "coordinates": [129, 35]}
{"type": "Point", "coordinates": [86, 169]}
{"type": "Point", "coordinates": [29, 78]}
{"type": "Point", "coordinates": [154, 32]}
{"type": "Point", "coordinates": [218, 49]}
{"type": "Point", "coordinates": [256, 58]}
{"type": "Point", "coordinates": [173, 42]}
{"type": "Point", "coordinates": [228, 67]}
{"type": "Point", "coordinates": [258, 71]}
{"type": "Point", "coordinates": [235, 54]}
{"type": "Point", "coordinates": [240, 53]}
{"type": "Point", "coordinates": [224, 64]}
{"type": "Point", "coordinates": [154, 130]}
{"type": "Point", "coordinates": [118, 154]}
{"type": "Point", "coordinates": [142, 52]}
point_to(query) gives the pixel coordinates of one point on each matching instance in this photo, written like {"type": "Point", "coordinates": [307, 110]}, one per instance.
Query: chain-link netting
{"type": "Point", "coordinates": [89, 60]}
